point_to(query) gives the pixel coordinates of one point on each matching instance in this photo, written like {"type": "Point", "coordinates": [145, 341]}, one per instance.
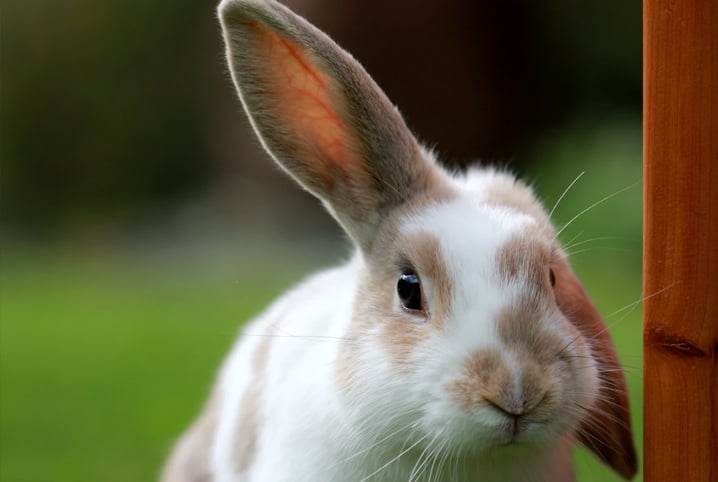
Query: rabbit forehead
{"type": "Point", "coordinates": [469, 234]}
{"type": "Point", "coordinates": [491, 256]}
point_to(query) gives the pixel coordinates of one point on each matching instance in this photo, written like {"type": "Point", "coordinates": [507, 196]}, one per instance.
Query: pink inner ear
{"type": "Point", "coordinates": [304, 98]}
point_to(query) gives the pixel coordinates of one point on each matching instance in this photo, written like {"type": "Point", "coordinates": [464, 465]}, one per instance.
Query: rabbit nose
{"type": "Point", "coordinates": [519, 412]}
{"type": "Point", "coordinates": [515, 419]}
{"type": "Point", "coordinates": [517, 407]}
{"type": "Point", "coordinates": [521, 389]}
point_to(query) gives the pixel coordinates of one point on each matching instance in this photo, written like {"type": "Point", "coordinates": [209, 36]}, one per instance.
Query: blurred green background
{"type": "Point", "coordinates": [141, 225]}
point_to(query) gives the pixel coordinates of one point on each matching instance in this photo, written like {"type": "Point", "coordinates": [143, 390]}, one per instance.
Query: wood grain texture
{"type": "Point", "coordinates": [681, 240]}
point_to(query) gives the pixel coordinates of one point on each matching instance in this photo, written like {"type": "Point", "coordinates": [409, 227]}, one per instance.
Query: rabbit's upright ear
{"type": "Point", "coordinates": [320, 115]}
{"type": "Point", "coordinates": [607, 429]}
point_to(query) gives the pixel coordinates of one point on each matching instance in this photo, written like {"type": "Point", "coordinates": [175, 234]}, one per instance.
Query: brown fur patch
{"type": "Point", "coordinates": [505, 190]}
{"type": "Point", "coordinates": [401, 338]}
{"type": "Point", "coordinates": [525, 260]}
{"type": "Point", "coordinates": [401, 334]}
{"type": "Point", "coordinates": [486, 379]}
{"type": "Point", "coordinates": [248, 419]}
{"type": "Point", "coordinates": [526, 257]}
{"type": "Point", "coordinates": [424, 250]}
{"type": "Point", "coordinates": [519, 327]}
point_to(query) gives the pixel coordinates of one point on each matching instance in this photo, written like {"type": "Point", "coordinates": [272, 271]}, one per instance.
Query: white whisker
{"type": "Point", "coordinates": [397, 457]}
{"type": "Point", "coordinates": [600, 201]}
{"type": "Point", "coordinates": [565, 191]}
{"type": "Point", "coordinates": [641, 299]}
{"type": "Point", "coordinates": [377, 443]}
{"type": "Point", "coordinates": [425, 455]}
{"type": "Point", "coordinates": [571, 244]}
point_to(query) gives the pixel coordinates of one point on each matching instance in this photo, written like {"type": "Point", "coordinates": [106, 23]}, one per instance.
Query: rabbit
{"type": "Point", "coordinates": [455, 344]}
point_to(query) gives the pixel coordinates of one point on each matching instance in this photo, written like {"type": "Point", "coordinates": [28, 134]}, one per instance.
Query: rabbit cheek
{"type": "Point", "coordinates": [402, 335]}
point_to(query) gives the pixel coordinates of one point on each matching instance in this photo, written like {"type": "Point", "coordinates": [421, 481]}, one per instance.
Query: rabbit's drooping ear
{"type": "Point", "coordinates": [320, 115]}
{"type": "Point", "coordinates": [607, 430]}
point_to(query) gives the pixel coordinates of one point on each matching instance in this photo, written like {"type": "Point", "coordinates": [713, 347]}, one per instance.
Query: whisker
{"type": "Point", "coordinates": [425, 455]}
{"type": "Point", "coordinates": [454, 460]}
{"type": "Point", "coordinates": [571, 244]}
{"type": "Point", "coordinates": [565, 191]}
{"type": "Point", "coordinates": [601, 428]}
{"type": "Point", "coordinates": [600, 201]}
{"type": "Point", "coordinates": [377, 443]}
{"type": "Point", "coordinates": [437, 457]}
{"type": "Point", "coordinates": [397, 457]}
{"type": "Point", "coordinates": [442, 460]}
{"type": "Point", "coordinates": [595, 248]}
{"type": "Point", "coordinates": [568, 243]}
{"type": "Point", "coordinates": [595, 336]}
{"type": "Point", "coordinates": [641, 299]}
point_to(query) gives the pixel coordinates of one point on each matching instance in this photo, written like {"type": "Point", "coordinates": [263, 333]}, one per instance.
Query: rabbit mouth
{"type": "Point", "coordinates": [479, 432]}
{"type": "Point", "coordinates": [518, 430]}
{"type": "Point", "coordinates": [513, 430]}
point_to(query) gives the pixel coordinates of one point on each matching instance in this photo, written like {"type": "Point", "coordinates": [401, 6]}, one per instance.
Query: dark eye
{"type": "Point", "coordinates": [409, 290]}
{"type": "Point", "coordinates": [551, 277]}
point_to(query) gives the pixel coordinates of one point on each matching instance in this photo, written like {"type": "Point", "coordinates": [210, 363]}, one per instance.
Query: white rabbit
{"type": "Point", "coordinates": [456, 345]}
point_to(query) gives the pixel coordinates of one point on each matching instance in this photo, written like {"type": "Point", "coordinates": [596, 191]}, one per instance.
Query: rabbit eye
{"type": "Point", "coordinates": [409, 289]}
{"type": "Point", "coordinates": [551, 277]}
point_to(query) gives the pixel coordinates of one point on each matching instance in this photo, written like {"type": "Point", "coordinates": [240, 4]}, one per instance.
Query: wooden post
{"type": "Point", "coordinates": [680, 240]}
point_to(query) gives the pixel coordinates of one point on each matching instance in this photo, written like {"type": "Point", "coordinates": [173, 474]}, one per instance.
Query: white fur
{"type": "Point", "coordinates": [304, 327]}
{"type": "Point", "coordinates": [310, 432]}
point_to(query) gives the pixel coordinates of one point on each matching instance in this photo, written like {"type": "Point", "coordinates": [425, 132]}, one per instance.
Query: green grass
{"type": "Point", "coordinates": [103, 360]}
